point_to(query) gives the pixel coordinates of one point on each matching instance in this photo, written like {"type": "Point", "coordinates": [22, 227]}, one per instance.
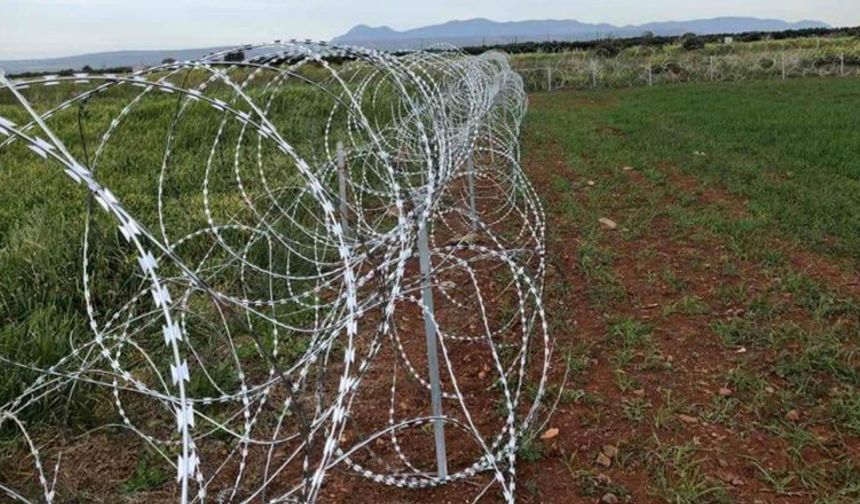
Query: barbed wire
{"type": "Point", "coordinates": [262, 325]}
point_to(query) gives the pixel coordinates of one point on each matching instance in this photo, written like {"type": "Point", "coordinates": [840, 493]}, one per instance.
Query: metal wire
{"type": "Point", "coordinates": [269, 334]}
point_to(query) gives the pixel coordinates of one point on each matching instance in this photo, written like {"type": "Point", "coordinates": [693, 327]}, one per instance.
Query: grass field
{"type": "Point", "coordinates": [785, 148]}
{"type": "Point", "coordinates": [42, 215]}
{"type": "Point", "coordinates": [711, 337]}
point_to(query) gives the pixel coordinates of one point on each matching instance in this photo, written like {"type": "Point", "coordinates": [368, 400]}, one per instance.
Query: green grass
{"type": "Point", "coordinates": [148, 474]}
{"type": "Point", "coordinates": [42, 218]}
{"type": "Point", "coordinates": [679, 477]}
{"type": "Point", "coordinates": [782, 147]}
{"type": "Point", "coordinates": [777, 182]}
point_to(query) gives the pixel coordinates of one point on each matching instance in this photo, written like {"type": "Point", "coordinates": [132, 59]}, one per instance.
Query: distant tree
{"type": "Point", "coordinates": [647, 39]}
{"type": "Point", "coordinates": [692, 42]}
{"type": "Point", "coordinates": [235, 56]}
{"type": "Point", "coordinates": [168, 61]}
{"type": "Point", "coordinates": [751, 37]}
{"type": "Point", "coordinates": [87, 69]}
{"type": "Point", "coordinates": [608, 50]}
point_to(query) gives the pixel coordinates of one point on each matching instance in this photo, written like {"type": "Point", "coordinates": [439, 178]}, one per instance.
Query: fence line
{"type": "Point", "coordinates": [584, 71]}
{"type": "Point", "coordinates": [297, 224]}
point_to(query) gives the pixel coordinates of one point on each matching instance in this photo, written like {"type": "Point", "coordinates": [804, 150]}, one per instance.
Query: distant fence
{"type": "Point", "coordinates": [581, 70]}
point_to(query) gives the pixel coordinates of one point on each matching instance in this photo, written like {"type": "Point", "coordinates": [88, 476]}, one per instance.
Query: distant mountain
{"type": "Point", "coordinates": [484, 31]}
{"type": "Point", "coordinates": [104, 60]}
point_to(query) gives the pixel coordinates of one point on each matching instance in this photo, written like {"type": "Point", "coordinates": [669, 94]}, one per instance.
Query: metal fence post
{"type": "Point", "coordinates": [842, 64]}
{"type": "Point", "coordinates": [594, 73]}
{"type": "Point", "coordinates": [341, 176]}
{"type": "Point", "coordinates": [470, 177]}
{"type": "Point", "coordinates": [650, 74]}
{"type": "Point", "coordinates": [430, 334]}
{"type": "Point", "coordinates": [549, 78]}
{"type": "Point", "coordinates": [711, 67]}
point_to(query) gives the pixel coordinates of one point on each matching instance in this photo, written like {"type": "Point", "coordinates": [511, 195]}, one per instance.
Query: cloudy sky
{"type": "Point", "coordinates": [45, 28]}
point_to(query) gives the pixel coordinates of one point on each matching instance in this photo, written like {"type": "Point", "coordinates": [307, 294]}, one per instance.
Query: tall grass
{"type": "Point", "coordinates": [43, 216]}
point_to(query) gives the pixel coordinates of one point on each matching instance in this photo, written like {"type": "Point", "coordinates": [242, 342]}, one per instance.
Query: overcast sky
{"type": "Point", "coordinates": [46, 28]}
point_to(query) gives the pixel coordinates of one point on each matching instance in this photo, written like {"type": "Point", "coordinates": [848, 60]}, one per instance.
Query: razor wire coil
{"type": "Point", "coordinates": [269, 333]}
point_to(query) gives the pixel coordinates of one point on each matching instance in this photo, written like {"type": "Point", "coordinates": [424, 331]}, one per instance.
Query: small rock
{"type": "Point", "coordinates": [608, 223]}
{"type": "Point", "coordinates": [725, 392]}
{"type": "Point", "coordinates": [639, 392]}
{"type": "Point", "coordinates": [723, 463]}
{"type": "Point", "coordinates": [688, 419]}
{"type": "Point", "coordinates": [793, 416]}
{"type": "Point", "coordinates": [610, 498]}
{"type": "Point", "coordinates": [603, 460]}
{"type": "Point", "coordinates": [732, 479]}
{"type": "Point", "coordinates": [770, 390]}
{"type": "Point", "coordinates": [549, 434]}
{"type": "Point", "coordinates": [591, 183]}
{"type": "Point", "coordinates": [627, 168]}
{"type": "Point", "coordinates": [604, 479]}
{"type": "Point", "coordinates": [610, 451]}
